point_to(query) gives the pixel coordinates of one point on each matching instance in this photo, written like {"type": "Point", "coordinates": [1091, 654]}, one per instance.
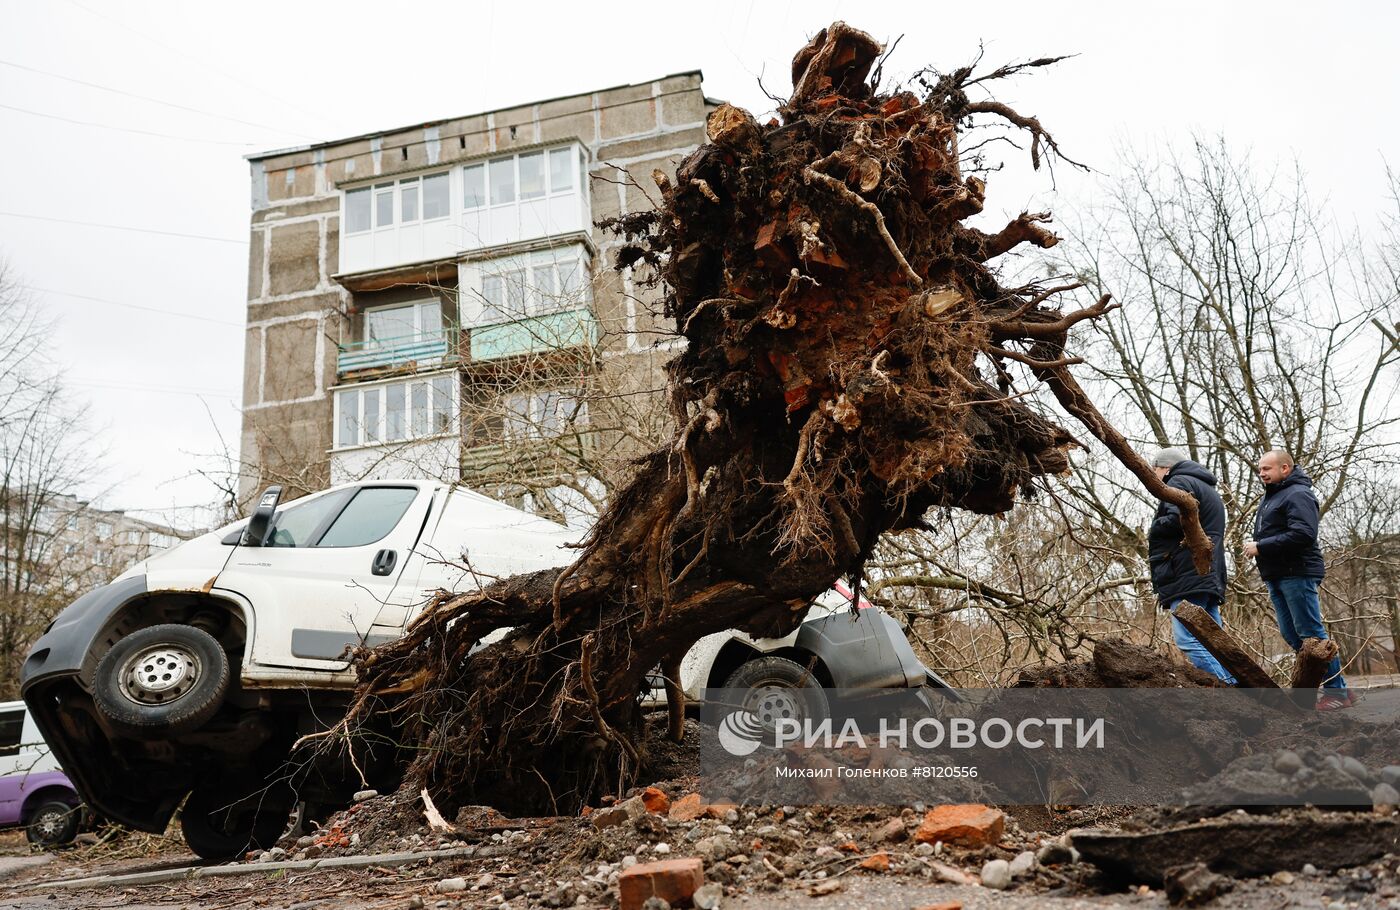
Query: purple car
{"type": "Point", "coordinates": [34, 792]}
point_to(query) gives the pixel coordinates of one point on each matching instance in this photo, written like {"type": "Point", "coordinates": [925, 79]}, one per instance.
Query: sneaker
{"type": "Point", "coordinates": [1335, 702]}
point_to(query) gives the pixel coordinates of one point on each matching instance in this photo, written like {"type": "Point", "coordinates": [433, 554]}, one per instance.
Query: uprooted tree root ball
{"type": "Point", "coordinates": [846, 370]}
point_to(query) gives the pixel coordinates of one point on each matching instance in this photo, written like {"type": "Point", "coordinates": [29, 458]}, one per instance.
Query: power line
{"type": "Point", "coordinates": [134, 306]}
{"type": "Point", "coordinates": [203, 63]}
{"type": "Point", "coordinates": [169, 390]}
{"type": "Point", "coordinates": [123, 129]}
{"type": "Point", "coordinates": [123, 227]}
{"type": "Point", "coordinates": [170, 104]}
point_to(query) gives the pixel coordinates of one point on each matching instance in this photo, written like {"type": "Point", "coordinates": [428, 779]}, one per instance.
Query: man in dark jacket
{"type": "Point", "coordinates": [1174, 575]}
{"type": "Point", "coordinates": [1290, 562]}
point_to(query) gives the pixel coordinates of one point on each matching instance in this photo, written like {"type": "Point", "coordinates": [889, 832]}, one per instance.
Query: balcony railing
{"type": "Point", "coordinates": [424, 350]}
{"type": "Point", "coordinates": [521, 459]}
{"type": "Point", "coordinates": [550, 331]}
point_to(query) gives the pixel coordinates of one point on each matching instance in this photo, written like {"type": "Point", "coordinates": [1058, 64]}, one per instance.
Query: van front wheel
{"type": "Point", "coordinates": [161, 680]}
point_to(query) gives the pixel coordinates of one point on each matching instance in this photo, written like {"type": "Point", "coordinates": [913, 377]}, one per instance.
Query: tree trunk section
{"type": "Point", "coordinates": [1224, 647]}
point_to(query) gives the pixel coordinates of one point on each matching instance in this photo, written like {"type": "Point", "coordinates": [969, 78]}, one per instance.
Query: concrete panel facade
{"type": "Point", "coordinates": [300, 308]}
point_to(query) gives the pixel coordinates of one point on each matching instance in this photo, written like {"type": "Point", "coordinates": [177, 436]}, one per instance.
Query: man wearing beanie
{"type": "Point", "coordinates": [1174, 575]}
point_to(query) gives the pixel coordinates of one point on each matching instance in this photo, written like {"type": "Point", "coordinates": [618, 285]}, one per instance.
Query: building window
{"type": "Point", "coordinates": [541, 414]}
{"type": "Point", "coordinates": [502, 180]}
{"type": "Point", "coordinates": [410, 409]}
{"type": "Point", "coordinates": [384, 205]}
{"type": "Point", "coordinates": [518, 287]}
{"type": "Point", "coordinates": [474, 186]}
{"type": "Point", "coordinates": [436, 196]}
{"type": "Point", "coordinates": [357, 211]}
{"type": "Point", "coordinates": [404, 323]}
{"type": "Point", "coordinates": [529, 175]}
{"type": "Point", "coordinates": [104, 530]}
{"type": "Point", "coordinates": [414, 199]}
{"type": "Point", "coordinates": [561, 171]}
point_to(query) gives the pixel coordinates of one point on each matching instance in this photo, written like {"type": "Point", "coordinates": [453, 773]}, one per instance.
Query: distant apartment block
{"type": "Point", "coordinates": [66, 545]}
{"type": "Point", "coordinates": [429, 300]}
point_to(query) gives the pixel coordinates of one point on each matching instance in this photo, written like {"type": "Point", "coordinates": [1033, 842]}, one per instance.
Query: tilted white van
{"type": "Point", "coordinates": [194, 672]}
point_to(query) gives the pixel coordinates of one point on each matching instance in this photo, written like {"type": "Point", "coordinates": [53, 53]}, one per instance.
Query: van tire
{"type": "Point", "coordinates": [218, 824]}
{"type": "Point", "coordinates": [779, 688]}
{"type": "Point", "coordinates": [53, 824]}
{"type": "Point", "coordinates": [161, 681]}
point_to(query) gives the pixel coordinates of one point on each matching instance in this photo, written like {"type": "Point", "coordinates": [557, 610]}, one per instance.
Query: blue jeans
{"type": "Point", "coordinates": [1300, 616]}
{"type": "Point", "coordinates": [1193, 649]}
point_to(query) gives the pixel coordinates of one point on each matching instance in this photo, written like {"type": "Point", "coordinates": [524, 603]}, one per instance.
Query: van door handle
{"type": "Point", "coordinates": [384, 562]}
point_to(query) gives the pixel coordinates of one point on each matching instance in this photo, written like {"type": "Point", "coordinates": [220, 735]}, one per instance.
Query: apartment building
{"type": "Point", "coordinates": [66, 545]}
{"type": "Point", "coordinates": [436, 299]}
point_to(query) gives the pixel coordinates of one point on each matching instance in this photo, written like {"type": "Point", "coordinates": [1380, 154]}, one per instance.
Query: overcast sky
{"type": "Point", "coordinates": [149, 308]}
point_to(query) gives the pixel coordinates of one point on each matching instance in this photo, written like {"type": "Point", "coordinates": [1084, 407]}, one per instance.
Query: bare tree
{"type": "Point", "coordinates": [45, 453]}
{"type": "Point", "coordinates": [1251, 322]}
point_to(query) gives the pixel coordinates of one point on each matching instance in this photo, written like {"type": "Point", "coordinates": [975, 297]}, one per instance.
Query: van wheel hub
{"type": "Point", "coordinates": [159, 674]}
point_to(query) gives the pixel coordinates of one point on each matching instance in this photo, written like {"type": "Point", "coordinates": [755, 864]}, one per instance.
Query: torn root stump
{"type": "Point", "coordinates": [1310, 668]}
{"type": "Point", "coordinates": [847, 367]}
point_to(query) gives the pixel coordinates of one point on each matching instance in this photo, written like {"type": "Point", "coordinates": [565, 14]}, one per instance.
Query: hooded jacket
{"type": "Point", "coordinates": [1174, 575]}
{"type": "Point", "coordinates": [1285, 529]}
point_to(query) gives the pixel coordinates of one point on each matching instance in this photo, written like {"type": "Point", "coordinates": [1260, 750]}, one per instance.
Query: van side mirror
{"type": "Point", "coordinates": [255, 535]}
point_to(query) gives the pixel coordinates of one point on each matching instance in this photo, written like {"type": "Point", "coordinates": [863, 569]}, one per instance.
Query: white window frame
{"type": "Point", "coordinates": [419, 332]}
{"type": "Point", "coordinates": [534, 414]}
{"type": "Point", "coordinates": [486, 164]}
{"type": "Point", "coordinates": [395, 188]}
{"type": "Point", "coordinates": [534, 302]}
{"type": "Point", "coordinates": [356, 393]}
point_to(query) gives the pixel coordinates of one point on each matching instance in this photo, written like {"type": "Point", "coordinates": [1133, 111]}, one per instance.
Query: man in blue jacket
{"type": "Point", "coordinates": [1174, 575]}
{"type": "Point", "coordinates": [1290, 562]}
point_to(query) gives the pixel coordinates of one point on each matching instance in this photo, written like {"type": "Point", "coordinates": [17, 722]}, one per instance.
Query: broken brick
{"type": "Point", "coordinates": [967, 825]}
{"type": "Point", "coordinates": [672, 880]}
{"type": "Point", "coordinates": [688, 808]}
{"type": "Point", "coordinates": [772, 247]}
{"type": "Point", "coordinates": [625, 811]}
{"type": "Point", "coordinates": [876, 862]}
{"type": "Point", "coordinates": [656, 802]}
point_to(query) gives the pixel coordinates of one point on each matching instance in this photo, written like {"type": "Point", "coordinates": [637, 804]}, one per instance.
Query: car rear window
{"type": "Point", "coordinates": [372, 514]}
{"type": "Point", "coordinates": [11, 728]}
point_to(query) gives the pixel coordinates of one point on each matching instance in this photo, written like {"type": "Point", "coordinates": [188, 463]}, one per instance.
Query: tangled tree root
{"type": "Point", "coordinates": [846, 371]}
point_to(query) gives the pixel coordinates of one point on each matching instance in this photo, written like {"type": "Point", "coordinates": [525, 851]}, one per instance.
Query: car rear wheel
{"type": "Point", "coordinates": [218, 824]}
{"type": "Point", "coordinates": [776, 689]}
{"type": "Point", "coordinates": [161, 680]}
{"type": "Point", "coordinates": [53, 824]}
